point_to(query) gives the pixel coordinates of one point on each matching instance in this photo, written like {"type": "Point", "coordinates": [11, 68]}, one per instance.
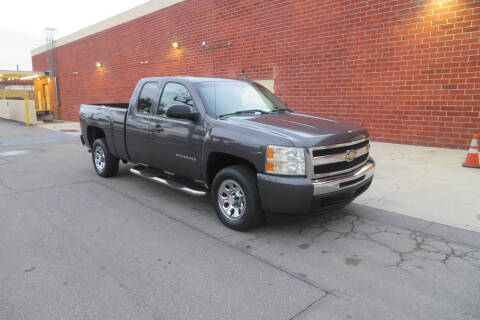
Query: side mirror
{"type": "Point", "coordinates": [182, 112]}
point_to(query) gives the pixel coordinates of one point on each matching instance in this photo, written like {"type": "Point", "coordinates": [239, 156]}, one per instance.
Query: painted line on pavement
{"type": "Point", "coordinates": [24, 141]}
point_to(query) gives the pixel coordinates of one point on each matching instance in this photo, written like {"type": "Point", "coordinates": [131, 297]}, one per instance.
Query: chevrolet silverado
{"type": "Point", "coordinates": [235, 140]}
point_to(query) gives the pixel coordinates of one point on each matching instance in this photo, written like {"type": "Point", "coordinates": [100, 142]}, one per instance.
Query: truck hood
{"type": "Point", "coordinates": [305, 130]}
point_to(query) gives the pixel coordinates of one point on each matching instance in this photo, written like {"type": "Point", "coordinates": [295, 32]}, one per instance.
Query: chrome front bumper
{"type": "Point", "coordinates": [343, 182]}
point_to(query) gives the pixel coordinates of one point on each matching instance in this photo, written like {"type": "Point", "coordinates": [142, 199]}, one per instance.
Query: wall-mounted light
{"type": "Point", "coordinates": [75, 72]}
{"type": "Point", "coordinates": [98, 64]}
{"type": "Point", "coordinates": [175, 45]}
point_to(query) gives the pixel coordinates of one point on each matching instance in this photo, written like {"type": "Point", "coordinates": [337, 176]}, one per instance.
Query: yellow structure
{"type": "Point", "coordinates": [6, 94]}
{"type": "Point", "coordinates": [43, 90]}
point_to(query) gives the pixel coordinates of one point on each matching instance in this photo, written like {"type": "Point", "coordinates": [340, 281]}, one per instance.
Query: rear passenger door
{"type": "Point", "coordinates": [138, 138]}
{"type": "Point", "coordinates": [177, 143]}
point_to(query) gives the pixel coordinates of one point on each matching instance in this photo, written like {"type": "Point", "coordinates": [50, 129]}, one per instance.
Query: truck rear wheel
{"type": "Point", "coordinates": [104, 163]}
{"type": "Point", "coordinates": [235, 198]}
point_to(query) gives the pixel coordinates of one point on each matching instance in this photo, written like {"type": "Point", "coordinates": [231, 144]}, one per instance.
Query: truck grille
{"type": "Point", "coordinates": [327, 152]}
{"type": "Point", "coordinates": [340, 158]}
{"type": "Point", "coordinates": [339, 166]}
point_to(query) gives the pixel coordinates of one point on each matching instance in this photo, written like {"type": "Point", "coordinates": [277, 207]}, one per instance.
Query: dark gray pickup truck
{"type": "Point", "coordinates": [235, 140]}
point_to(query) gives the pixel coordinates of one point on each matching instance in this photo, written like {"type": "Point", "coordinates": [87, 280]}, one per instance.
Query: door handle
{"type": "Point", "coordinates": [158, 129]}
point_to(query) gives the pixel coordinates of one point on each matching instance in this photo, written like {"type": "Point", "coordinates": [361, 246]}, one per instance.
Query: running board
{"type": "Point", "coordinates": [141, 172]}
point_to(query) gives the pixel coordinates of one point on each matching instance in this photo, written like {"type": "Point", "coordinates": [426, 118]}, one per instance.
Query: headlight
{"type": "Point", "coordinates": [285, 161]}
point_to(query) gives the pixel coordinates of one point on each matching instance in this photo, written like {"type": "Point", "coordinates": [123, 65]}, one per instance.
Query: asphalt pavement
{"type": "Point", "coordinates": [77, 246]}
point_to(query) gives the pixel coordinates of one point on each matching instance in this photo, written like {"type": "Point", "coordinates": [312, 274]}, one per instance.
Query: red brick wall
{"type": "Point", "coordinates": [408, 70]}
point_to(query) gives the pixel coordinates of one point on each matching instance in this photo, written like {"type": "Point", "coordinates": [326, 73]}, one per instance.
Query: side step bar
{"type": "Point", "coordinates": [141, 172]}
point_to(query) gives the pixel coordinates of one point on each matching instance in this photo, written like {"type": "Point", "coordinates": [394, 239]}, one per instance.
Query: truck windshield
{"type": "Point", "coordinates": [237, 97]}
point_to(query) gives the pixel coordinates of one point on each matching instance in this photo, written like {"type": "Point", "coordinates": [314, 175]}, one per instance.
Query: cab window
{"type": "Point", "coordinates": [174, 94]}
{"type": "Point", "coordinates": [147, 97]}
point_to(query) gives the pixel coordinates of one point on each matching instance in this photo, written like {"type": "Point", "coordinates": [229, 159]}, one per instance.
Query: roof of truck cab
{"type": "Point", "coordinates": [192, 79]}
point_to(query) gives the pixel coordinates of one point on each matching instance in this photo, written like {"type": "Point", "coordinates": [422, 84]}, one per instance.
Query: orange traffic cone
{"type": "Point", "coordinates": [472, 155]}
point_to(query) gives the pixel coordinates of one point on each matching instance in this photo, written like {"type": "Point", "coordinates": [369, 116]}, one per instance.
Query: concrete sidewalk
{"type": "Point", "coordinates": [67, 127]}
{"type": "Point", "coordinates": [422, 182]}
{"type": "Point", "coordinates": [427, 183]}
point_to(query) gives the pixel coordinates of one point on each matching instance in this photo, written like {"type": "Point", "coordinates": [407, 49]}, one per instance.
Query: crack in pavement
{"type": "Point", "coordinates": [314, 302]}
{"type": "Point", "coordinates": [4, 185]}
{"type": "Point", "coordinates": [330, 223]}
{"type": "Point", "coordinates": [423, 246]}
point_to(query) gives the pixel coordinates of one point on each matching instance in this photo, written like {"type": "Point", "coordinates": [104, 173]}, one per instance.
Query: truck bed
{"type": "Point", "coordinates": [111, 118]}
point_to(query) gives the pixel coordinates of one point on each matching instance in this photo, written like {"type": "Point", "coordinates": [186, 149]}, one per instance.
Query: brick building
{"type": "Point", "coordinates": [408, 70]}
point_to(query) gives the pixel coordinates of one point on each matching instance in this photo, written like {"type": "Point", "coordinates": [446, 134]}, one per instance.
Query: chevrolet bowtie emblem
{"type": "Point", "coordinates": [351, 154]}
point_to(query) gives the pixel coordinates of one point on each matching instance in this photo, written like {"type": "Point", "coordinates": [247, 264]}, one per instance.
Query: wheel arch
{"type": "Point", "coordinates": [94, 133]}
{"type": "Point", "coordinates": [217, 161]}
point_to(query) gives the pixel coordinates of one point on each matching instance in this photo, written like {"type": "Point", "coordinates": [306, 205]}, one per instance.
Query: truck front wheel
{"type": "Point", "coordinates": [105, 164]}
{"type": "Point", "coordinates": [235, 198]}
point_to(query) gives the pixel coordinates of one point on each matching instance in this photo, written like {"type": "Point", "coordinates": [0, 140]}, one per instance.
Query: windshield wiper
{"type": "Point", "coordinates": [243, 112]}
{"type": "Point", "coordinates": [280, 110]}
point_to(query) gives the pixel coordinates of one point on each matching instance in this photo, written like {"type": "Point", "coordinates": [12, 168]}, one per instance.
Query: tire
{"type": "Point", "coordinates": [104, 163]}
{"type": "Point", "coordinates": [235, 188]}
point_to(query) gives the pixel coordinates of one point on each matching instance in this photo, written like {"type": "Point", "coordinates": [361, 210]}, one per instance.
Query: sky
{"type": "Point", "coordinates": [23, 23]}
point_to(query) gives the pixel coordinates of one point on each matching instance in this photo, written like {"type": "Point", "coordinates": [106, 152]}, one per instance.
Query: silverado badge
{"type": "Point", "coordinates": [351, 154]}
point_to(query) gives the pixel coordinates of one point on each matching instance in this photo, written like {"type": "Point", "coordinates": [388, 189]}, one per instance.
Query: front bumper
{"type": "Point", "coordinates": [304, 195]}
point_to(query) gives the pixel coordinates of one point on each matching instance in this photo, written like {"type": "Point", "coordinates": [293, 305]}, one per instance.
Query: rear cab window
{"type": "Point", "coordinates": [147, 98]}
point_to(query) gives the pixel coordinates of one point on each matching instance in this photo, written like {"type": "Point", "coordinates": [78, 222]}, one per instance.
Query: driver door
{"type": "Point", "coordinates": [176, 143]}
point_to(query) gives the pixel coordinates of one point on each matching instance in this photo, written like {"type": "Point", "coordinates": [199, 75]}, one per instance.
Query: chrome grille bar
{"type": "Point", "coordinates": [341, 159]}
{"type": "Point", "coordinates": [340, 145]}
